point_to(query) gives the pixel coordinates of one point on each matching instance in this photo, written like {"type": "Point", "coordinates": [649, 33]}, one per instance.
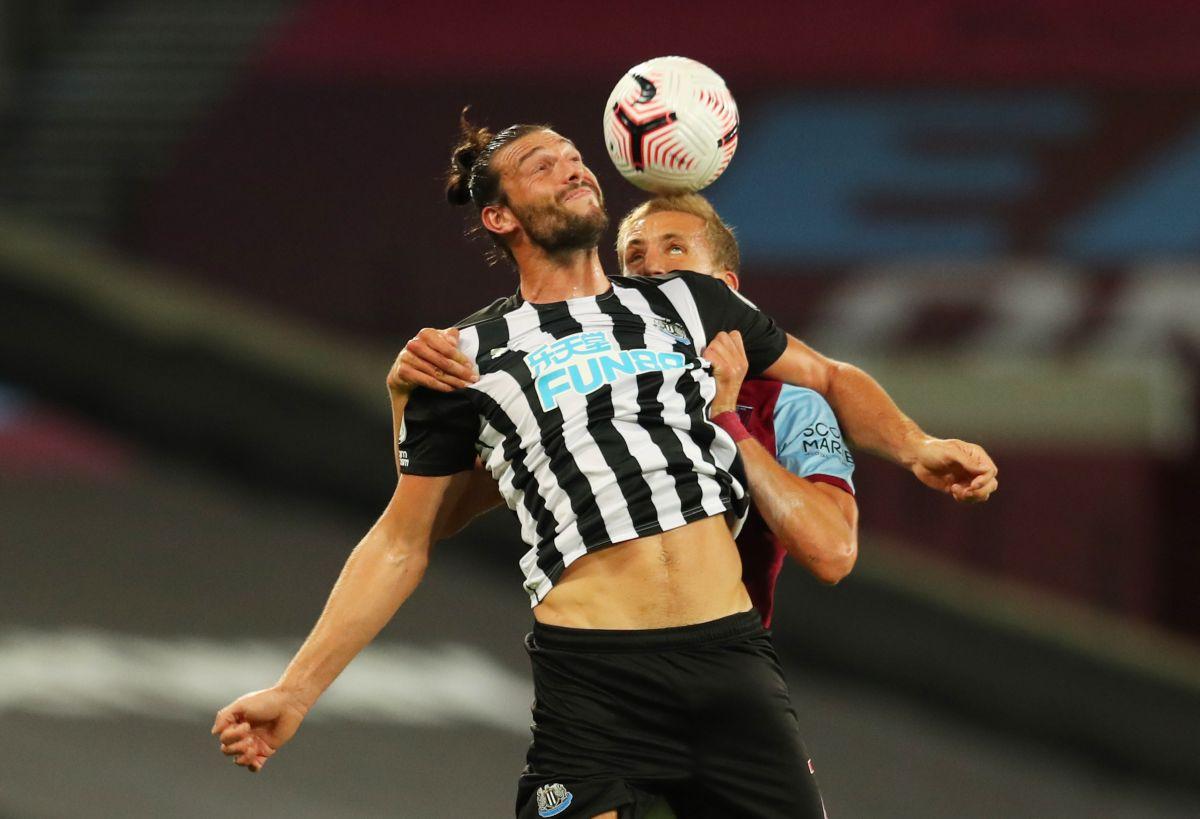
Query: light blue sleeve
{"type": "Point", "coordinates": [808, 439]}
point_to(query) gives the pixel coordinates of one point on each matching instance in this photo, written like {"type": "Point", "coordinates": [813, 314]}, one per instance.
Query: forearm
{"type": "Point", "coordinates": [868, 415]}
{"type": "Point", "coordinates": [870, 418]}
{"type": "Point", "coordinates": [380, 574]}
{"type": "Point", "coordinates": [815, 530]}
{"type": "Point", "coordinates": [472, 494]}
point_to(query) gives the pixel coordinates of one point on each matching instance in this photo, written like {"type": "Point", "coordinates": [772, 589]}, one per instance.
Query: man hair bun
{"type": "Point", "coordinates": [472, 142]}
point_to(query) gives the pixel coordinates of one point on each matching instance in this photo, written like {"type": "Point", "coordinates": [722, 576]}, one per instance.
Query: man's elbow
{"type": "Point", "coordinates": [837, 562]}
{"type": "Point", "coordinates": [402, 556]}
{"type": "Point", "coordinates": [408, 561]}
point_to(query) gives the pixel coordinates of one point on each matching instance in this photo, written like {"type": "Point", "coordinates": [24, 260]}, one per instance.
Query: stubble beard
{"type": "Point", "coordinates": [559, 231]}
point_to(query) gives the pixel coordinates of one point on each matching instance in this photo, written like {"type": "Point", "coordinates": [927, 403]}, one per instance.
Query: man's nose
{"type": "Point", "coordinates": [652, 265]}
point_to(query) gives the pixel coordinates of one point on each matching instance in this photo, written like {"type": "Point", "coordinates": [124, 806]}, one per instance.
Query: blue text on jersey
{"type": "Point", "coordinates": [584, 362]}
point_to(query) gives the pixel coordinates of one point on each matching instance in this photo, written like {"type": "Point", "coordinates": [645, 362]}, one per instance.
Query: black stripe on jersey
{"type": "Point", "coordinates": [639, 498]}
{"type": "Point", "coordinates": [554, 320]}
{"type": "Point", "coordinates": [650, 409]}
{"type": "Point", "coordinates": [496, 309]}
{"type": "Point", "coordinates": [524, 482]}
{"type": "Point", "coordinates": [493, 334]}
{"type": "Point", "coordinates": [697, 411]}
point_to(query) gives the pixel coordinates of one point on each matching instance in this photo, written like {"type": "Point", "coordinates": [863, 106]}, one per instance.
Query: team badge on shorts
{"type": "Point", "coordinates": [553, 799]}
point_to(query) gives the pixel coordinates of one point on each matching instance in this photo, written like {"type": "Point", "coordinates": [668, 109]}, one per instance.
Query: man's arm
{"type": "Point", "coordinates": [380, 574]}
{"type": "Point", "coordinates": [872, 420]}
{"type": "Point", "coordinates": [868, 415]}
{"type": "Point", "coordinates": [817, 523]}
{"type": "Point", "coordinates": [474, 491]}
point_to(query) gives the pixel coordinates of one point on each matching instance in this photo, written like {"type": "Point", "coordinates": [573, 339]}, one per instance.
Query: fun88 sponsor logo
{"type": "Point", "coordinates": [584, 362]}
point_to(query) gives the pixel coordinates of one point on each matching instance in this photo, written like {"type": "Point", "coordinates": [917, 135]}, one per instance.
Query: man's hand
{"type": "Point", "coordinates": [431, 359]}
{"type": "Point", "coordinates": [253, 727]}
{"type": "Point", "coordinates": [728, 358]}
{"type": "Point", "coordinates": [962, 470]}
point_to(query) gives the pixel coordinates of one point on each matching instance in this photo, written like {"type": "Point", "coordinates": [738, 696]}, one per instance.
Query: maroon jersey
{"type": "Point", "coordinates": [800, 431]}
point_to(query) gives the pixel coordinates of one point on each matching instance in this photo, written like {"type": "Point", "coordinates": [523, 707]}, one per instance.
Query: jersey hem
{"type": "Point", "coordinates": [435, 471]}
{"type": "Point", "coordinates": [689, 516]}
{"type": "Point", "coordinates": [832, 480]}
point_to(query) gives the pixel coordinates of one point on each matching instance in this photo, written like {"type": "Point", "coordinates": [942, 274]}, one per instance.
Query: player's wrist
{"type": "Point", "coordinates": [914, 447]}
{"type": "Point", "coordinates": [732, 424]}
{"type": "Point", "coordinates": [297, 694]}
{"type": "Point", "coordinates": [399, 387]}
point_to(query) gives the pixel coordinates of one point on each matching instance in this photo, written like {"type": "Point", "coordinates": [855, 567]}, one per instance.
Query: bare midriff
{"type": "Point", "coordinates": [688, 575]}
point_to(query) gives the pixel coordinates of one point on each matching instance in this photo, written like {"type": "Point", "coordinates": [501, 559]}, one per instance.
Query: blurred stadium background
{"type": "Point", "coordinates": [220, 220]}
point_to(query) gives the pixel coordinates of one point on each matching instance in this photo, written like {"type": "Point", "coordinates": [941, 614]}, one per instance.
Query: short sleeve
{"type": "Point", "coordinates": [808, 439]}
{"type": "Point", "coordinates": [438, 433]}
{"type": "Point", "coordinates": [722, 308]}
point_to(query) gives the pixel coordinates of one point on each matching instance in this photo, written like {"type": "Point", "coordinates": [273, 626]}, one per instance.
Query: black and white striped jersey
{"type": "Point", "coordinates": [591, 414]}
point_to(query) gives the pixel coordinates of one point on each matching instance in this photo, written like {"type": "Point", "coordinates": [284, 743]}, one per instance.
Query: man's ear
{"type": "Point", "coordinates": [498, 219]}
{"type": "Point", "coordinates": [730, 278]}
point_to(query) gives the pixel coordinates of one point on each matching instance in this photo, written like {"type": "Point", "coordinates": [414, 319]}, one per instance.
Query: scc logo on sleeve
{"type": "Point", "coordinates": [826, 439]}
{"type": "Point", "coordinates": [584, 362]}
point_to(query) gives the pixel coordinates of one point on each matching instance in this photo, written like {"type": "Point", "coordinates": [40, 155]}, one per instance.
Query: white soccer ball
{"type": "Point", "coordinates": [671, 125]}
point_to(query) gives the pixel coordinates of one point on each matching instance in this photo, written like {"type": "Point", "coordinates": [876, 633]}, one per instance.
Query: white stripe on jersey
{"type": "Point", "coordinates": [650, 458]}
{"type": "Point", "coordinates": [537, 584]}
{"type": "Point", "coordinates": [505, 390]}
{"type": "Point", "coordinates": [468, 343]}
{"type": "Point", "coordinates": [680, 296]}
{"type": "Point", "coordinates": [674, 409]}
{"type": "Point", "coordinates": [724, 449]}
{"type": "Point", "coordinates": [524, 329]}
{"type": "Point", "coordinates": [492, 441]}
{"type": "Point", "coordinates": [525, 335]}
{"type": "Point", "coordinates": [628, 471]}
{"type": "Point", "coordinates": [606, 490]}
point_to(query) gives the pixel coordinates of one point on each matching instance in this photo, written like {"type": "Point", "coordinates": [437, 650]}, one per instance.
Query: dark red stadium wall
{"type": "Point", "coordinates": [1091, 526]}
{"type": "Point", "coordinates": [315, 185]}
{"type": "Point", "coordinates": [326, 199]}
{"type": "Point", "coordinates": [869, 43]}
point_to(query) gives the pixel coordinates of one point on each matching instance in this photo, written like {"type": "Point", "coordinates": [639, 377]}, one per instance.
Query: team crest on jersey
{"type": "Point", "coordinates": [671, 328]}
{"type": "Point", "coordinates": [553, 799]}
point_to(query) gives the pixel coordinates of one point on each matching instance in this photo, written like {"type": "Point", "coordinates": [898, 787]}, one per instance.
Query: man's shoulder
{"type": "Point", "coordinates": [495, 310]}
{"type": "Point", "coordinates": [657, 282]}
{"type": "Point", "coordinates": [801, 405]}
{"type": "Point", "coordinates": [759, 391]}
{"type": "Point", "coordinates": [789, 393]}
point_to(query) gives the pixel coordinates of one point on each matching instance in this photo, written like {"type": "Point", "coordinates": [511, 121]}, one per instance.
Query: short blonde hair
{"type": "Point", "coordinates": [721, 242]}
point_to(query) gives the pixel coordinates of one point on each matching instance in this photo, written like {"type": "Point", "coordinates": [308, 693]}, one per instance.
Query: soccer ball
{"type": "Point", "coordinates": [671, 125]}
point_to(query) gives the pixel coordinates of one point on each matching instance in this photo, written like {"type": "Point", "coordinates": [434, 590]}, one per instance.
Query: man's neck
{"type": "Point", "coordinates": [548, 278]}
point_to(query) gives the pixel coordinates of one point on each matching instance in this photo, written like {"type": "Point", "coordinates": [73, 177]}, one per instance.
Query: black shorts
{"type": "Point", "coordinates": [698, 715]}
